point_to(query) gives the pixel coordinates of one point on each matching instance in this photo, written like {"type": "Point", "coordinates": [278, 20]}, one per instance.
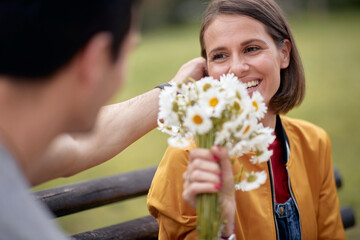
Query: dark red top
{"type": "Point", "coordinates": [280, 176]}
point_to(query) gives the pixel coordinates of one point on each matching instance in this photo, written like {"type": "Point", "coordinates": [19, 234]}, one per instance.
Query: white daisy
{"type": "Point", "coordinates": [168, 110]}
{"type": "Point", "coordinates": [234, 87]}
{"type": "Point", "coordinates": [252, 181]}
{"type": "Point", "coordinates": [261, 156]}
{"type": "Point", "coordinates": [190, 92]}
{"type": "Point", "coordinates": [168, 93]}
{"type": "Point", "coordinates": [165, 129]}
{"type": "Point", "coordinates": [246, 128]}
{"type": "Point", "coordinates": [213, 101]}
{"type": "Point", "coordinates": [178, 142]}
{"type": "Point", "coordinates": [262, 138]}
{"type": "Point", "coordinates": [206, 83]}
{"type": "Point", "coordinates": [257, 102]}
{"type": "Point", "coordinates": [224, 134]}
{"type": "Point", "coordinates": [226, 77]}
{"type": "Point", "coordinates": [181, 103]}
{"type": "Point", "coordinates": [197, 121]}
{"type": "Point", "coordinates": [239, 148]}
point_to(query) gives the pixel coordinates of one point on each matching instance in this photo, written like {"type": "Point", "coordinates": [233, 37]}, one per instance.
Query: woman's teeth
{"type": "Point", "coordinates": [251, 84]}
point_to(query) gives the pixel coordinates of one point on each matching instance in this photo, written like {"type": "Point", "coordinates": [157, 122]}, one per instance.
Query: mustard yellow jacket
{"type": "Point", "coordinates": [311, 179]}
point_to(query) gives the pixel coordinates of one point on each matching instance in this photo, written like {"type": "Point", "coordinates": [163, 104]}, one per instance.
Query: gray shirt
{"type": "Point", "coordinates": [22, 216]}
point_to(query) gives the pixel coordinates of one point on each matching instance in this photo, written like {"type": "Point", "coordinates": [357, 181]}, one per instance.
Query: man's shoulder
{"type": "Point", "coordinates": [22, 216]}
{"type": "Point", "coordinates": [9, 168]}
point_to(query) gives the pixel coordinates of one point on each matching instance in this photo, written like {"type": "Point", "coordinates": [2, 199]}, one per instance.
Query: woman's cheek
{"type": "Point", "coordinates": [216, 70]}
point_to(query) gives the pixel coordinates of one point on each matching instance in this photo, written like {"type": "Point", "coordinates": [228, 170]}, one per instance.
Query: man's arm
{"type": "Point", "coordinates": [118, 126]}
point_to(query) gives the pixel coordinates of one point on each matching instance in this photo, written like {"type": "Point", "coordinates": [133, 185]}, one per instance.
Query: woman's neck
{"type": "Point", "coordinates": [269, 120]}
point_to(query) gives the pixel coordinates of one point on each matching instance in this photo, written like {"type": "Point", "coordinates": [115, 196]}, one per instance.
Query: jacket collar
{"type": "Point", "coordinates": [283, 138]}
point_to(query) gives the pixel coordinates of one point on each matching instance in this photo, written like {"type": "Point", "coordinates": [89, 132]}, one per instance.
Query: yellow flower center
{"type": "Point", "coordinates": [213, 102]}
{"type": "Point", "coordinates": [256, 106]}
{"type": "Point", "coordinates": [175, 107]}
{"type": "Point", "coordinates": [258, 153]}
{"type": "Point", "coordinates": [197, 119]}
{"type": "Point", "coordinates": [246, 129]}
{"type": "Point", "coordinates": [206, 87]}
{"type": "Point", "coordinates": [238, 95]}
{"type": "Point", "coordinates": [252, 178]}
{"type": "Point", "coordinates": [236, 106]}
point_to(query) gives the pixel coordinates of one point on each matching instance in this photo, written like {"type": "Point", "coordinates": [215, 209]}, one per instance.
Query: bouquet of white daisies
{"type": "Point", "coordinates": [217, 112]}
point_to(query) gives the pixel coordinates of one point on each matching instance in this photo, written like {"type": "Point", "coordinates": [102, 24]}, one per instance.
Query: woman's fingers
{"type": "Point", "coordinates": [225, 167]}
{"type": "Point", "coordinates": [191, 190]}
{"type": "Point", "coordinates": [202, 165]}
{"type": "Point", "coordinates": [210, 171]}
{"type": "Point", "coordinates": [201, 153]}
{"type": "Point", "coordinates": [203, 175]}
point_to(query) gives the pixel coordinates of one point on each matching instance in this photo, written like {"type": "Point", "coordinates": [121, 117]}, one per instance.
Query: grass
{"type": "Point", "coordinates": [329, 47]}
{"type": "Point", "coordinates": [331, 56]}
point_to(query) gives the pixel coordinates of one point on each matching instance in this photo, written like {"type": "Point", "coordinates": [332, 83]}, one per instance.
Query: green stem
{"type": "Point", "coordinates": [207, 204]}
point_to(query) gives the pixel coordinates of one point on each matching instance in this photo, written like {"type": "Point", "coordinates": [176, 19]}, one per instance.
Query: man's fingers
{"type": "Point", "coordinates": [194, 69]}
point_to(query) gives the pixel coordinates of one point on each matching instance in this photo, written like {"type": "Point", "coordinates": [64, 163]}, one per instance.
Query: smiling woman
{"type": "Point", "coordinates": [292, 88]}
{"type": "Point", "coordinates": [298, 200]}
{"type": "Point", "coordinates": [241, 45]}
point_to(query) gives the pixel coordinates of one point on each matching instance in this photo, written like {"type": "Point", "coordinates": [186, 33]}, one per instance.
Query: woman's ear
{"type": "Point", "coordinates": [285, 54]}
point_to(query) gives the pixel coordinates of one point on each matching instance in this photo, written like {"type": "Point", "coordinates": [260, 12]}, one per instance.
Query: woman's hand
{"type": "Point", "coordinates": [194, 68]}
{"type": "Point", "coordinates": [210, 171]}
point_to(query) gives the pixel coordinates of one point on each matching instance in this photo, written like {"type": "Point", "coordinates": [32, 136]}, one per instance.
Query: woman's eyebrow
{"type": "Point", "coordinates": [217, 49]}
{"type": "Point", "coordinates": [251, 41]}
{"type": "Point", "coordinates": [242, 44]}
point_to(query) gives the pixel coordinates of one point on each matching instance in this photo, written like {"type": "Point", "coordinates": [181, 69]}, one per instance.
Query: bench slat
{"type": "Point", "coordinates": [147, 228]}
{"type": "Point", "coordinates": [81, 196]}
{"type": "Point", "coordinates": [141, 228]}
{"type": "Point", "coordinates": [90, 194]}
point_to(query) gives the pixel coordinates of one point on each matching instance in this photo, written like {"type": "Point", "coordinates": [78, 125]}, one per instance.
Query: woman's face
{"type": "Point", "coordinates": [241, 45]}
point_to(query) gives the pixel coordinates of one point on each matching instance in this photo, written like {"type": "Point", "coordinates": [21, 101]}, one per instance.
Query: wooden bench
{"type": "Point", "coordinates": [86, 195]}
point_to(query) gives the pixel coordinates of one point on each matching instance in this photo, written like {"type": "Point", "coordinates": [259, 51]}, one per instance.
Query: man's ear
{"type": "Point", "coordinates": [94, 59]}
{"type": "Point", "coordinates": [285, 54]}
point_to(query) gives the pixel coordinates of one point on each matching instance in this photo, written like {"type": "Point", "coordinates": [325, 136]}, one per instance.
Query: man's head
{"type": "Point", "coordinates": [79, 46]}
{"type": "Point", "coordinates": [41, 36]}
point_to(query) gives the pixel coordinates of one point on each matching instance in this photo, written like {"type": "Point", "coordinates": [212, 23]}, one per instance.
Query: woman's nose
{"type": "Point", "coordinates": [239, 66]}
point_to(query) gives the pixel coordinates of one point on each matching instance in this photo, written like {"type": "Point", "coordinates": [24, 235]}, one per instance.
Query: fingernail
{"type": "Point", "coordinates": [220, 174]}
{"type": "Point", "coordinates": [218, 186]}
{"type": "Point", "coordinates": [216, 159]}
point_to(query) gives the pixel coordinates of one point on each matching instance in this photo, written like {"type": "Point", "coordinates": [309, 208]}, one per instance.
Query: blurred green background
{"type": "Point", "coordinates": [329, 44]}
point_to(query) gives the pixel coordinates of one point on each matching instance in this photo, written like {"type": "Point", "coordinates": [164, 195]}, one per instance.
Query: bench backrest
{"type": "Point", "coordinates": [90, 194]}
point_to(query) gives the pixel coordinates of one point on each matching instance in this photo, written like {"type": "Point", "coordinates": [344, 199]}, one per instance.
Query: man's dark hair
{"type": "Point", "coordinates": [38, 37]}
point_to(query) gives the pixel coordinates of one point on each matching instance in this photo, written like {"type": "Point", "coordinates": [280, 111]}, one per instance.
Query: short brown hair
{"type": "Point", "coordinates": [292, 86]}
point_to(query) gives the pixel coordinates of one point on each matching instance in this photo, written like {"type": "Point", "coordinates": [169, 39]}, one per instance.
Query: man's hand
{"type": "Point", "coordinates": [195, 69]}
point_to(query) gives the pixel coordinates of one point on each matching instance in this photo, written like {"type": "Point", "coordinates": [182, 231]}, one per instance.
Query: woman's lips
{"type": "Point", "coordinates": [251, 84]}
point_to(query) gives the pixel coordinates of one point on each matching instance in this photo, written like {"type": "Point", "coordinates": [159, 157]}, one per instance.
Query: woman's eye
{"type": "Point", "coordinates": [217, 56]}
{"type": "Point", "coordinates": [251, 49]}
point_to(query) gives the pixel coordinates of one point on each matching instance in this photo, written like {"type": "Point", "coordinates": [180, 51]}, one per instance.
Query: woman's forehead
{"type": "Point", "coordinates": [227, 28]}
